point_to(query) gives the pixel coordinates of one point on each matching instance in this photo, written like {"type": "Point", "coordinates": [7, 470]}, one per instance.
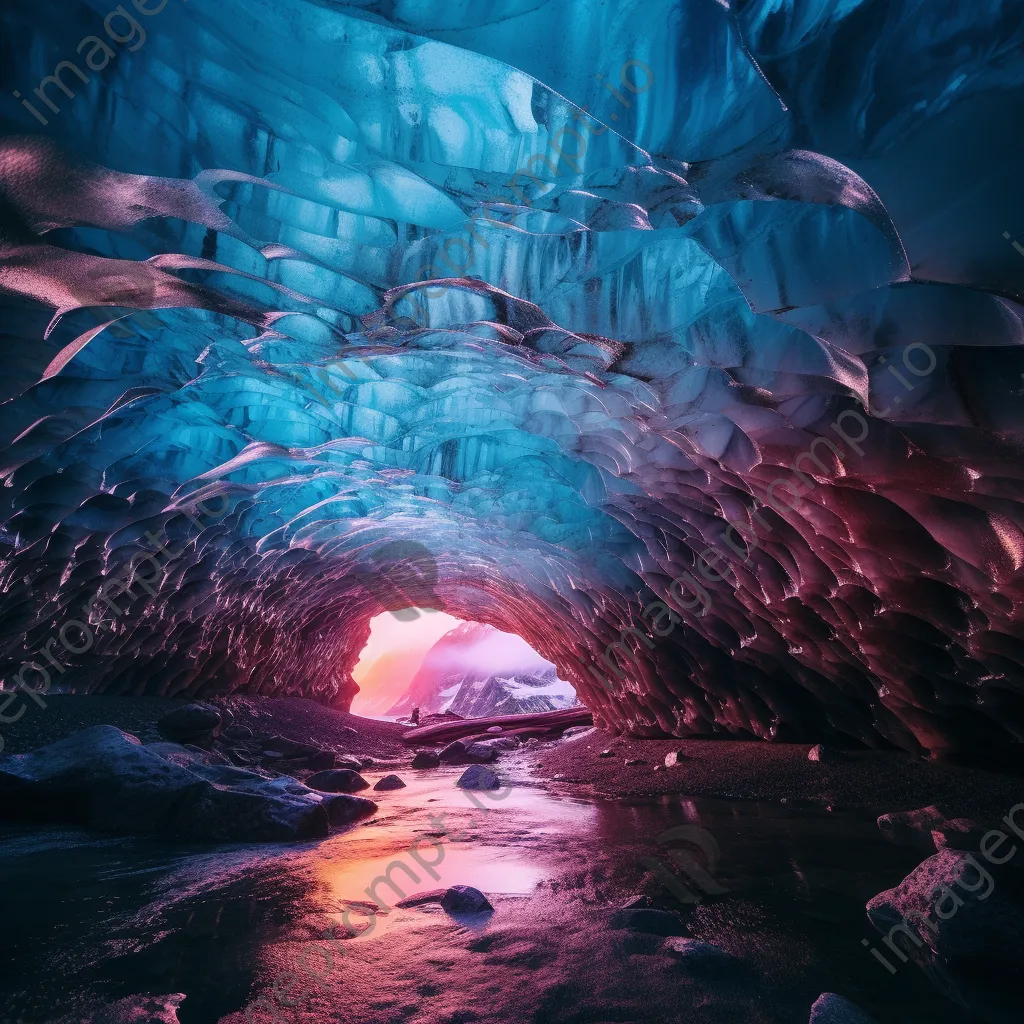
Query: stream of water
{"type": "Point", "coordinates": [90, 920]}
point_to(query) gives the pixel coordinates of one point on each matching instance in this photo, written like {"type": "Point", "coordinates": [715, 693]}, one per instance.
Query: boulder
{"type": "Point", "coordinates": [477, 776]}
{"type": "Point", "coordinates": [337, 780]}
{"type": "Point", "coordinates": [635, 762]}
{"type": "Point", "coordinates": [498, 743]}
{"type": "Point", "coordinates": [322, 760]}
{"type": "Point", "coordinates": [606, 753]}
{"type": "Point", "coordinates": [343, 809]}
{"type": "Point", "coordinates": [829, 1008]}
{"type": "Point", "coordinates": [495, 728]}
{"type": "Point", "coordinates": [458, 899]}
{"type": "Point", "coordinates": [425, 759]}
{"type": "Point", "coordinates": [389, 782]}
{"type": "Point", "coordinates": [188, 723]}
{"type": "Point", "coordinates": [460, 752]}
{"type": "Point", "coordinates": [177, 753]}
{"type": "Point", "coordinates": [237, 733]}
{"type": "Point", "coordinates": [464, 899]}
{"type": "Point", "coordinates": [960, 917]}
{"type": "Point", "coordinates": [453, 752]}
{"type": "Point", "coordinates": [105, 779]}
{"type": "Point", "coordinates": [348, 761]}
{"type": "Point", "coordinates": [675, 758]}
{"type": "Point", "coordinates": [912, 828]}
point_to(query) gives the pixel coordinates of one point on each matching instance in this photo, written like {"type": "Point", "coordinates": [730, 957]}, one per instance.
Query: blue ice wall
{"type": "Point", "coordinates": [682, 338]}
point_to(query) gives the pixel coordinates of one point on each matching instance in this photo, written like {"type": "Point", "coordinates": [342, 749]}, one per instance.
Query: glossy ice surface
{"type": "Point", "coordinates": [366, 278]}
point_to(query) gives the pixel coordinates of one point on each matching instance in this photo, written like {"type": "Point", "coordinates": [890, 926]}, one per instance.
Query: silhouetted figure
{"type": "Point", "coordinates": [415, 716]}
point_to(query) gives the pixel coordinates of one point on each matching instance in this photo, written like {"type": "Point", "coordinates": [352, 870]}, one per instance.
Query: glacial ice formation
{"type": "Point", "coordinates": [543, 311]}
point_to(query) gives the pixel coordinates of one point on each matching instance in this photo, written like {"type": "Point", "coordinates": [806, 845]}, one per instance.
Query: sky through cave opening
{"type": "Point", "coordinates": [427, 659]}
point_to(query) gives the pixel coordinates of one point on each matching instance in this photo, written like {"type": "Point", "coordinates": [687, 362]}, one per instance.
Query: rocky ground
{"type": "Point", "coordinates": [780, 773]}
{"type": "Point", "coordinates": [613, 765]}
{"type": "Point", "coordinates": [573, 843]}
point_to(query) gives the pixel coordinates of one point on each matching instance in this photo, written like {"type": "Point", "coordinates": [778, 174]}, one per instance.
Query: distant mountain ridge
{"type": "Point", "coordinates": [476, 670]}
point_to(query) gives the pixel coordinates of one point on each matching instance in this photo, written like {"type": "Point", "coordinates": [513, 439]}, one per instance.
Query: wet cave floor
{"type": "Point", "coordinates": [102, 928]}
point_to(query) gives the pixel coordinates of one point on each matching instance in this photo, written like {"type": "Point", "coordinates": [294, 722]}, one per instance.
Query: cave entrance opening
{"type": "Point", "coordinates": [426, 659]}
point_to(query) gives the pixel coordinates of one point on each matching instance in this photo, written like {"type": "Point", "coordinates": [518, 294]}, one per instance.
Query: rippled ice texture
{"type": "Point", "coordinates": [751, 314]}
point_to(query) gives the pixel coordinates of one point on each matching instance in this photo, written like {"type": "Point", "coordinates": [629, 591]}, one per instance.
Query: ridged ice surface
{"type": "Point", "coordinates": [213, 267]}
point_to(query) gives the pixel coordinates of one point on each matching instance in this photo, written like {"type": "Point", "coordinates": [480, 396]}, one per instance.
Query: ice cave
{"type": "Point", "coordinates": [678, 339]}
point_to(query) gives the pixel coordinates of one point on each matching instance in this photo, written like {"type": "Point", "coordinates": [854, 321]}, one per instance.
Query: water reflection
{"type": "Point", "coordinates": [93, 919]}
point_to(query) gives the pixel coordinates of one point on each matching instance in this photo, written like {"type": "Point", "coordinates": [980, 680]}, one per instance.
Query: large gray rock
{"type": "Point", "coordinates": [105, 779]}
{"type": "Point", "coordinates": [348, 761]}
{"type": "Point", "coordinates": [343, 809]}
{"type": "Point", "coordinates": [482, 753]}
{"type": "Point", "coordinates": [188, 723]}
{"type": "Point", "coordinates": [912, 828]}
{"type": "Point", "coordinates": [453, 753]}
{"type": "Point", "coordinates": [829, 1008]}
{"type": "Point", "coordinates": [477, 776]}
{"type": "Point", "coordinates": [426, 759]}
{"type": "Point", "coordinates": [337, 780]}
{"type": "Point", "coordinates": [461, 752]}
{"type": "Point", "coordinates": [457, 899]}
{"type": "Point", "coordinates": [960, 917]}
{"type": "Point", "coordinates": [498, 743]}
{"type": "Point", "coordinates": [464, 899]}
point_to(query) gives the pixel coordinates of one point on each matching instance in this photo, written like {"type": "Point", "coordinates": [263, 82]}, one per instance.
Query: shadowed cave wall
{"type": "Point", "coordinates": [715, 402]}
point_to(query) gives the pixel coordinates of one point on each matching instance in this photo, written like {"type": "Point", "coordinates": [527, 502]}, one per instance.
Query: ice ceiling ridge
{"type": "Point", "coordinates": [290, 341]}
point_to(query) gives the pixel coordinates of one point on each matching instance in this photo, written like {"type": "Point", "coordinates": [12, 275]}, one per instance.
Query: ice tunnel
{"type": "Point", "coordinates": [681, 339]}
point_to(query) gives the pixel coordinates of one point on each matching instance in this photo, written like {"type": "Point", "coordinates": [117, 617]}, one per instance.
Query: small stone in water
{"type": "Point", "coordinates": [337, 780]}
{"type": "Point", "coordinates": [464, 899]}
{"type": "Point", "coordinates": [390, 782]}
{"type": "Point", "coordinates": [478, 776]}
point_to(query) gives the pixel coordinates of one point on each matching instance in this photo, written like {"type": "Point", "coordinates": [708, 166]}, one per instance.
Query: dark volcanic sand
{"type": "Point", "coordinates": [778, 772]}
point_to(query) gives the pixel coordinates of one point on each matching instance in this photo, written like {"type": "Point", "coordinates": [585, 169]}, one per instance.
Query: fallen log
{"type": "Point", "coordinates": [545, 721]}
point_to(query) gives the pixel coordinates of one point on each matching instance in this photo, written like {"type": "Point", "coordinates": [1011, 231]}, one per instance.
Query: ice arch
{"type": "Point", "coordinates": [719, 355]}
